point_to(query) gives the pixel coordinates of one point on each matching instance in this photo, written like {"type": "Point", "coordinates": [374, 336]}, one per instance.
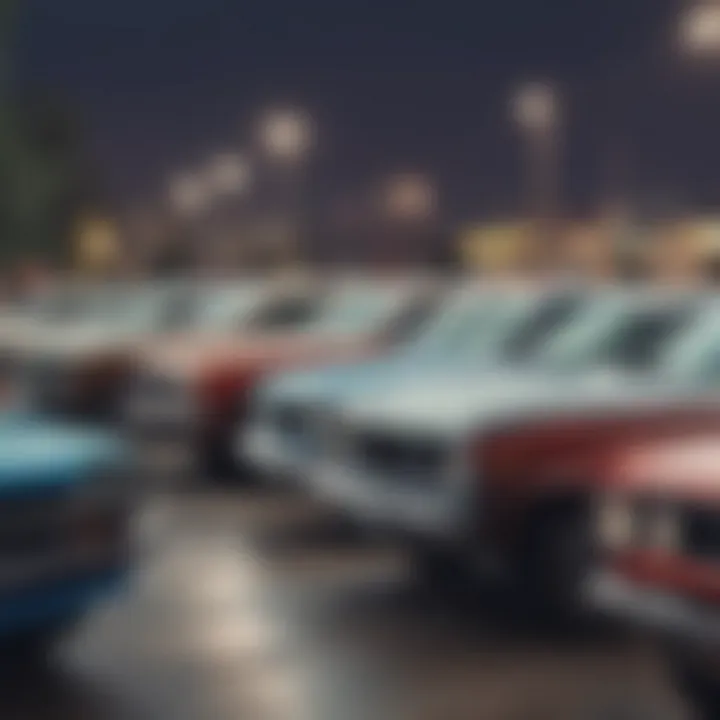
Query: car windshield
{"type": "Point", "coordinates": [624, 333]}
{"type": "Point", "coordinates": [60, 304]}
{"type": "Point", "coordinates": [359, 309]}
{"type": "Point", "coordinates": [479, 323]}
{"type": "Point", "coordinates": [127, 308]}
{"type": "Point", "coordinates": [224, 308]}
{"type": "Point", "coordinates": [470, 323]}
{"type": "Point", "coordinates": [697, 355]}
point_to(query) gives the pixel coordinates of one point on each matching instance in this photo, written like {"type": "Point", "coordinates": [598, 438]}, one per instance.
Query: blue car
{"type": "Point", "coordinates": [65, 499]}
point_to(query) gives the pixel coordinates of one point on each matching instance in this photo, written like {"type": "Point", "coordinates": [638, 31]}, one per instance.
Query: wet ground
{"type": "Point", "coordinates": [246, 606]}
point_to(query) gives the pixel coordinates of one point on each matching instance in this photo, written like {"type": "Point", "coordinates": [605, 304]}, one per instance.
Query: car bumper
{"type": "Point", "coordinates": [670, 614]}
{"type": "Point", "coordinates": [95, 403]}
{"type": "Point", "coordinates": [47, 602]}
{"type": "Point", "coordinates": [273, 456]}
{"type": "Point", "coordinates": [439, 513]}
{"type": "Point", "coordinates": [167, 445]}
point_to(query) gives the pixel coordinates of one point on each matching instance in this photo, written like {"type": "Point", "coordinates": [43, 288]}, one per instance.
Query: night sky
{"type": "Point", "coordinates": [159, 84]}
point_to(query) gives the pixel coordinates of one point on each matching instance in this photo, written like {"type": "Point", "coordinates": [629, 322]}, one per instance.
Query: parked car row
{"type": "Point", "coordinates": [561, 437]}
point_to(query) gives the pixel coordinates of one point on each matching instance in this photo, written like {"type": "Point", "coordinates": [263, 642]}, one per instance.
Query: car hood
{"type": "Point", "coordinates": [75, 341]}
{"type": "Point", "coordinates": [683, 467]}
{"type": "Point", "coordinates": [465, 402]}
{"type": "Point", "coordinates": [345, 382]}
{"type": "Point", "coordinates": [37, 454]}
{"type": "Point", "coordinates": [187, 356]}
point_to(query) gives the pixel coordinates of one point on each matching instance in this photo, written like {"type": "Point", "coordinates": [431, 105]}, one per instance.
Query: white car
{"type": "Point", "coordinates": [411, 461]}
{"type": "Point", "coordinates": [476, 327]}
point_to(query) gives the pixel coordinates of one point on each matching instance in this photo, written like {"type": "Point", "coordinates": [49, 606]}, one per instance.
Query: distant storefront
{"type": "Point", "coordinates": [98, 248]}
{"type": "Point", "coordinates": [495, 248]}
{"type": "Point", "coordinates": [686, 249]}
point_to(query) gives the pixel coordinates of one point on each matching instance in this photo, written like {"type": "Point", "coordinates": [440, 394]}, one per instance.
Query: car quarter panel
{"type": "Point", "coordinates": [532, 462]}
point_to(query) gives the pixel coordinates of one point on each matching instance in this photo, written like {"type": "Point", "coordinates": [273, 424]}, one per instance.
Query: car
{"type": "Point", "coordinates": [488, 470]}
{"type": "Point", "coordinates": [192, 396]}
{"type": "Point", "coordinates": [28, 317]}
{"type": "Point", "coordinates": [66, 495]}
{"type": "Point", "coordinates": [80, 364]}
{"type": "Point", "coordinates": [72, 360]}
{"type": "Point", "coordinates": [657, 521]}
{"type": "Point", "coordinates": [476, 326]}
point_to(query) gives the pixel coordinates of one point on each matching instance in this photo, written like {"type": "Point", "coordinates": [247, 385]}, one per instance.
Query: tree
{"type": "Point", "coordinates": [43, 178]}
{"type": "Point", "coordinates": [43, 182]}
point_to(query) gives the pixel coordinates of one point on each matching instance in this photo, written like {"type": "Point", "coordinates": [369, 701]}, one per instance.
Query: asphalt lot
{"type": "Point", "coordinates": [246, 605]}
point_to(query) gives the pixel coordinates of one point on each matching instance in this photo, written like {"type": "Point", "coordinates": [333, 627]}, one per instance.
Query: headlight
{"type": "Point", "coordinates": [615, 524]}
{"type": "Point", "coordinates": [663, 528]}
{"type": "Point", "coordinates": [623, 523]}
{"type": "Point", "coordinates": [154, 398]}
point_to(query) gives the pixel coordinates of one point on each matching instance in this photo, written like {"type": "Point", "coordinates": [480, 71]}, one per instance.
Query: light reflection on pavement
{"type": "Point", "coordinates": [239, 609]}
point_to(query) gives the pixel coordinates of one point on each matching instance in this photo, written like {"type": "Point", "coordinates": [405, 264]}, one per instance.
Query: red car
{"type": "Point", "coordinates": [658, 524]}
{"type": "Point", "coordinates": [192, 392]}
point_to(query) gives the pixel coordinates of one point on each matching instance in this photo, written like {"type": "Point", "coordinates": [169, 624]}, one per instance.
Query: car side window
{"type": "Point", "coordinates": [411, 320]}
{"type": "Point", "coordinates": [178, 312]}
{"type": "Point", "coordinates": [286, 313]}
{"type": "Point", "coordinates": [710, 366]}
{"type": "Point", "coordinates": [541, 324]}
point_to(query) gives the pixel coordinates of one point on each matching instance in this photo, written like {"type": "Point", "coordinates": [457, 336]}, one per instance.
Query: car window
{"type": "Point", "coordinates": [362, 309]}
{"type": "Point", "coordinates": [411, 322]}
{"type": "Point", "coordinates": [289, 312]}
{"type": "Point", "coordinates": [551, 314]}
{"type": "Point", "coordinates": [128, 308]}
{"type": "Point", "coordinates": [68, 303]}
{"type": "Point", "coordinates": [218, 308]}
{"type": "Point", "coordinates": [470, 324]}
{"type": "Point", "coordinates": [627, 334]}
{"type": "Point", "coordinates": [697, 356]}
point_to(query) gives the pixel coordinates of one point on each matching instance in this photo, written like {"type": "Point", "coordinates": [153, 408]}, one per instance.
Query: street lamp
{"type": "Point", "coordinates": [699, 29]}
{"type": "Point", "coordinates": [410, 197]}
{"type": "Point", "coordinates": [286, 135]}
{"type": "Point", "coordinates": [229, 174]}
{"type": "Point", "coordinates": [189, 194]}
{"type": "Point", "coordinates": [535, 107]}
{"type": "Point", "coordinates": [535, 111]}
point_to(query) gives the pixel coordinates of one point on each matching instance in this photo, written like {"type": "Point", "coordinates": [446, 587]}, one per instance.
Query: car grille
{"type": "Point", "coordinates": [415, 460]}
{"type": "Point", "coordinates": [159, 403]}
{"type": "Point", "coordinates": [290, 420]}
{"type": "Point", "coordinates": [297, 424]}
{"type": "Point", "coordinates": [157, 388]}
{"type": "Point", "coordinates": [36, 525]}
{"type": "Point", "coordinates": [701, 532]}
{"type": "Point", "coordinates": [47, 382]}
{"type": "Point", "coordinates": [10, 365]}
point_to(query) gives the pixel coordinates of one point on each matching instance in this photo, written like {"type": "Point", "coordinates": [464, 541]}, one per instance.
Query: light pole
{"type": "Point", "coordinates": [699, 30]}
{"type": "Point", "coordinates": [189, 194]}
{"type": "Point", "coordinates": [535, 112]}
{"type": "Point", "coordinates": [409, 206]}
{"type": "Point", "coordinates": [229, 174]}
{"type": "Point", "coordinates": [698, 35]}
{"type": "Point", "coordinates": [286, 138]}
{"type": "Point", "coordinates": [410, 197]}
{"type": "Point", "coordinates": [192, 194]}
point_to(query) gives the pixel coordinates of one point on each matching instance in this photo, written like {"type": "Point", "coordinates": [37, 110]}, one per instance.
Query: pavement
{"type": "Point", "coordinates": [253, 605]}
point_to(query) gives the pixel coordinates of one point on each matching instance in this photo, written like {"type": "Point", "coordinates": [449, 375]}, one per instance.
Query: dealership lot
{"type": "Point", "coordinates": [251, 605]}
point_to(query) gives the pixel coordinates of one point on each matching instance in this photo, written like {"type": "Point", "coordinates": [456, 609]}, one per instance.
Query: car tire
{"type": "Point", "coordinates": [216, 464]}
{"type": "Point", "coordinates": [696, 684]}
{"type": "Point", "coordinates": [35, 645]}
{"type": "Point", "coordinates": [555, 562]}
{"type": "Point", "coordinates": [439, 569]}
